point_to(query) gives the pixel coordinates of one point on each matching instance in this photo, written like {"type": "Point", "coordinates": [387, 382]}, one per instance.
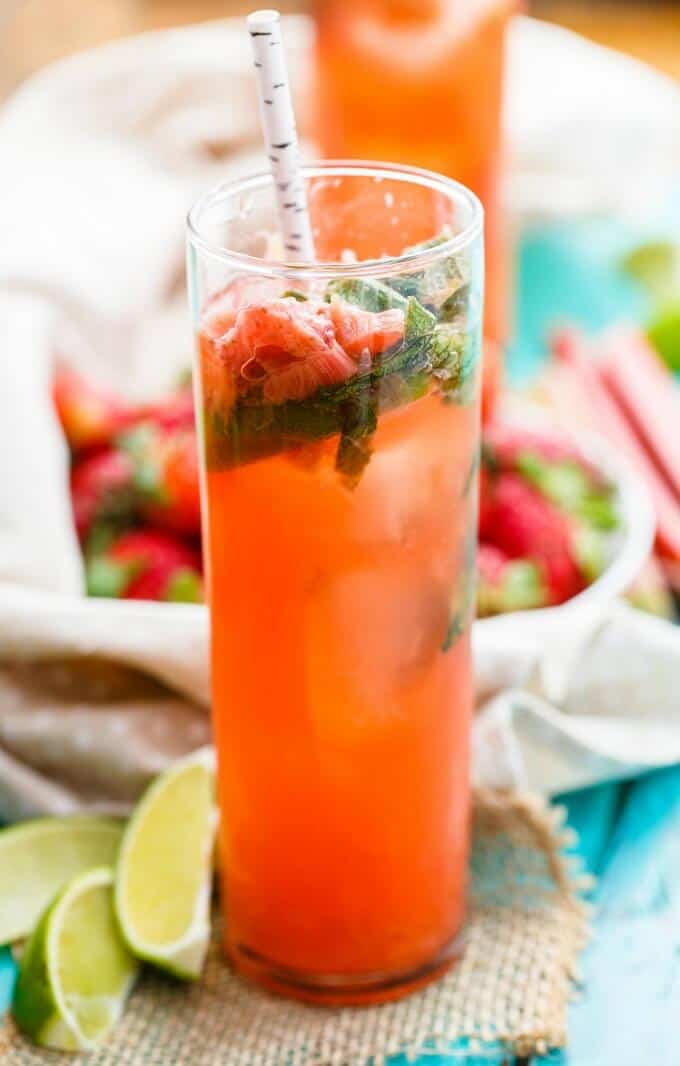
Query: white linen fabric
{"type": "Point", "coordinates": [100, 157]}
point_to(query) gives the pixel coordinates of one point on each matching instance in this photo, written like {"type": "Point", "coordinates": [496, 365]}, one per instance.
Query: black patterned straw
{"type": "Point", "coordinates": [280, 133]}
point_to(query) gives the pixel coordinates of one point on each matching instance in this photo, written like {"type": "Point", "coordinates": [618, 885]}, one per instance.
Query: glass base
{"type": "Point", "coordinates": [342, 990]}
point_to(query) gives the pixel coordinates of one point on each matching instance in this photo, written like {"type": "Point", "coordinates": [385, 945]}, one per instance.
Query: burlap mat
{"type": "Point", "coordinates": [527, 924]}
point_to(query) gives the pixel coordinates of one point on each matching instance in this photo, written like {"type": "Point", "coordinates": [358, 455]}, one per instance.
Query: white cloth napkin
{"type": "Point", "coordinates": [100, 157]}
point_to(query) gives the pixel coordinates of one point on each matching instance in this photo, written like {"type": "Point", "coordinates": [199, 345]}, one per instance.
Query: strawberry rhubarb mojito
{"type": "Point", "coordinates": [338, 414]}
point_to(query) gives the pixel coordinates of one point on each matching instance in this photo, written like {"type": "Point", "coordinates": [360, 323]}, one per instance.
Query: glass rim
{"type": "Point", "coordinates": [414, 260]}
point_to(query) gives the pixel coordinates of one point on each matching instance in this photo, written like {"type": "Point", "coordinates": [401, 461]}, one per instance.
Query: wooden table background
{"type": "Point", "coordinates": [34, 32]}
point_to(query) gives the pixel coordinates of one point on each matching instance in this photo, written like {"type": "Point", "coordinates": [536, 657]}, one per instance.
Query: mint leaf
{"type": "Point", "coordinates": [434, 285]}
{"type": "Point", "coordinates": [419, 320]}
{"type": "Point", "coordinates": [359, 420]}
{"type": "Point", "coordinates": [464, 595]}
{"type": "Point", "coordinates": [455, 304]}
{"type": "Point", "coordinates": [367, 293]}
{"type": "Point", "coordinates": [473, 470]}
{"type": "Point", "coordinates": [455, 630]}
{"type": "Point", "coordinates": [376, 296]}
{"type": "Point", "coordinates": [456, 358]}
{"type": "Point", "coordinates": [295, 294]}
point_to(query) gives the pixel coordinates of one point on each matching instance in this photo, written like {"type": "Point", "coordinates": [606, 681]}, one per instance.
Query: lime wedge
{"type": "Point", "coordinates": [76, 971]}
{"type": "Point", "coordinates": [37, 858]}
{"type": "Point", "coordinates": [164, 870]}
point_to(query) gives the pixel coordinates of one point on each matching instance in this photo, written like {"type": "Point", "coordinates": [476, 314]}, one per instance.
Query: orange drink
{"type": "Point", "coordinates": [339, 420]}
{"type": "Point", "coordinates": [420, 81]}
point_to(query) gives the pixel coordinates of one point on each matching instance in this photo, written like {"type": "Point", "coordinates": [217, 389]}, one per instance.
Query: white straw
{"type": "Point", "coordinates": [280, 134]}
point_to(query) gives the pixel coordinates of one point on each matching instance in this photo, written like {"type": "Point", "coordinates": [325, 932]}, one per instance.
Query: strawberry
{"type": "Point", "coordinates": [505, 444]}
{"type": "Point", "coordinates": [90, 415]}
{"type": "Point", "coordinates": [146, 564]}
{"type": "Point", "coordinates": [524, 525]}
{"type": "Point", "coordinates": [166, 476]}
{"type": "Point", "coordinates": [175, 412]}
{"type": "Point", "coordinates": [486, 487]}
{"type": "Point", "coordinates": [102, 489]}
{"type": "Point", "coordinates": [554, 465]}
{"type": "Point", "coordinates": [505, 584]}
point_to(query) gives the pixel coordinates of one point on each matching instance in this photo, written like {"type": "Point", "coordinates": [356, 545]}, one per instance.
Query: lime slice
{"type": "Point", "coordinates": [76, 971]}
{"type": "Point", "coordinates": [164, 870]}
{"type": "Point", "coordinates": [37, 858]}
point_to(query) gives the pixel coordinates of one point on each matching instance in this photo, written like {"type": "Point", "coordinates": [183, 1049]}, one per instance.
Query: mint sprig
{"type": "Point", "coordinates": [429, 353]}
{"type": "Point", "coordinates": [255, 429]}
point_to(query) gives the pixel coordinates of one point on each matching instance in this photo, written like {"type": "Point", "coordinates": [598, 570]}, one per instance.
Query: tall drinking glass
{"type": "Point", "coordinates": [338, 414]}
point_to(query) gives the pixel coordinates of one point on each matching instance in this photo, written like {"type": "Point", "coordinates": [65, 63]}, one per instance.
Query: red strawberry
{"type": "Point", "coordinates": [524, 525]}
{"type": "Point", "coordinates": [505, 584]}
{"type": "Point", "coordinates": [166, 476]}
{"type": "Point", "coordinates": [504, 444]}
{"type": "Point", "coordinates": [554, 465]}
{"type": "Point", "coordinates": [486, 487]}
{"type": "Point", "coordinates": [102, 489]}
{"type": "Point", "coordinates": [90, 415]}
{"type": "Point", "coordinates": [146, 565]}
{"type": "Point", "coordinates": [175, 412]}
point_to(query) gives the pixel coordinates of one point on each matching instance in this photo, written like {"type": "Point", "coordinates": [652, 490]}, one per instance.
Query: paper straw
{"type": "Point", "coordinates": [280, 134]}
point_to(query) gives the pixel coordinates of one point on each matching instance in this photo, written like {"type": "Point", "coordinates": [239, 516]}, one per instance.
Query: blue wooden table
{"type": "Point", "coordinates": [628, 1009]}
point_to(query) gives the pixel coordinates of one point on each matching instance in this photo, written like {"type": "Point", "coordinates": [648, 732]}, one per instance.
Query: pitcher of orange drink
{"type": "Point", "coordinates": [338, 414]}
{"type": "Point", "coordinates": [420, 81]}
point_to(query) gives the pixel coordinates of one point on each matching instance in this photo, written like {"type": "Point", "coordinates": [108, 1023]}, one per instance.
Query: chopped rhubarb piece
{"type": "Point", "coordinates": [645, 389]}
{"type": "Point", "coordinates": [611, 422]}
